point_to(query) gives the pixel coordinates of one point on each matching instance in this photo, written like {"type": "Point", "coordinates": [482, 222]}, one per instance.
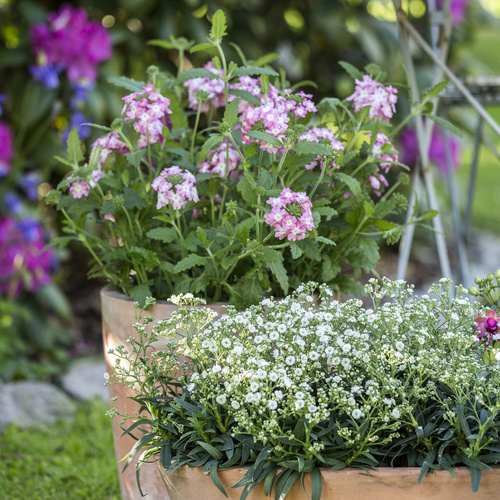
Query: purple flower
{"type": "Point", "coordinates": [73, 42]}
{"type": "Point", "coordinates": [29, 183]}
{"type": "Point", "coordinates": [47, 75]}
{"type": "Point", "coordinates": [488, 326]}
{"type": "Point", "coordinates": [13, 203]}
{"type": "Point", "coordinates": [437, 151]}
{"type": "Point", "coordinates": [2, 100]}
{"type": "Point", "coordinates": [458, 10]}
{"type": "Point", "coordinates": [6, 150]}
{"type": "Point", "coordinates": [22, 264]}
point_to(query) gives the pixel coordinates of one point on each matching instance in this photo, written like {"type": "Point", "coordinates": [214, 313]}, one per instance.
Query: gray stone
{"type": "Point", "coordinates": [85, 379]}
{"type": "Point", "coordinates": [26, 403]}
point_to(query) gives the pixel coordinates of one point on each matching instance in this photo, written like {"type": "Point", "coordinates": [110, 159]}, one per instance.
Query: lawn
{"type": "Point", "coordinates": [72, 459]}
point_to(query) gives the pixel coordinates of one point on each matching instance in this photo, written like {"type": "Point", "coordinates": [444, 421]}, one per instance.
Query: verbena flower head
{"type": "Point", "coordinates": [379, 98]}
{"type": "Point", "coordinates": [175, 187]}
{"type": "Point", "coordinates": [72, 42]}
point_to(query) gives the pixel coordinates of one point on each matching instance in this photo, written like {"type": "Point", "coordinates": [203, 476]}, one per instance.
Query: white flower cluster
{"type": "Point", "coordinates": [301, 359]}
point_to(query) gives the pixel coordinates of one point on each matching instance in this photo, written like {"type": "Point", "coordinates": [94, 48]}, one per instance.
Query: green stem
{"type": "Point", "coordinates": [195, 129]}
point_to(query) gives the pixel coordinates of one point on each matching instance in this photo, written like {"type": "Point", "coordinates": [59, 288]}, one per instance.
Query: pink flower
{"type": "Point", "coordinates": [175, 187]}
{"type": "Point", "coordinates": [291, 215]}
{"type": "Point", "coordinates": [217, 159]}
{"type": "Point", "coordinates": [314, 135]}
{"type": "Point", "coordinates": [381, 100]}
{"type": "Point", "coordinates": [488, 326]}
{"type": "Point", "coordinates": [6, 150]}
{"type": "Point", "coordinates": [79, 189]}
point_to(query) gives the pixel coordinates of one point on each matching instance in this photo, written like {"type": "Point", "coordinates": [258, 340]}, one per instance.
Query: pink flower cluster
{"type": "Point", "coordinates": [148, 111]}
{"type": "Point", "coordinates": [290, 215]}
{"type": "Point", "coordinates": [314, 135]}
{"type": "Point", "coordinates": [175, 187]}
{"type": "Point", "coordinates": [6, 150]}
{"type": "Point", "coordinates": [22, 265]}
{"type": "Point", "coordinates": [253, 86]}
{"type": "Point", "coordinates": [386, 159]}
{"type": "Point", "coordinates": [72, 42]}
{"type": "Point", "coordinates": [213, 88]}
{"type": "Point", "coordinates": [273, 117]}
{"type": "Point", "coordinates": [216, 161]}
{"type": "Point", "coordinates": [382, 100]}
{"type": "Point", "coordinates": [488, 327]}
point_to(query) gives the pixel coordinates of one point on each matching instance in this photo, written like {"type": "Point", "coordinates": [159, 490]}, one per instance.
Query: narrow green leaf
{"type": "Point", "coordinates": [475, 479]}
{"type": "Point", "coordinates": [196, 73]}
{"type": "Point", "coordinates": [322, 239]}
{"type": "Point", "coordinates": [317, 484]}
{"type": "Point", "coordinates": [265, 137]}
{"type": "Point", "coordinates": [126, 83]}
{"type": "Point", "coordinates": [219, 26]}
{"type": "Point", "coordinates": [435, 91]}
{"type": "Point", "coordinates": [279, 273]}
{"type": "Point", "coordinates": [245, 95]}
{"type": "Point", "coordinates": [353, 71]}
{"type": "Point", "coordinates": [445, 124]}
{"type": "Point", "coordinates": [200, 47]}
{"type": "Point", "coordinates": [311, 147]}
{"type": "Point", "coordinates": [213, 141]}
{"type": "Point", "coordinates": [253, 70]}
{"type": "Point", "coordinates": [215, 479]}
{"type": "Point", "coordinates": [231, 114]}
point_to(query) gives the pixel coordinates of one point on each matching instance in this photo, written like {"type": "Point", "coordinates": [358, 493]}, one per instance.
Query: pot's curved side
{"type": "Point", "coordinates": [118, 316]}
{"type": "Point", "coordinates": [347, 484]}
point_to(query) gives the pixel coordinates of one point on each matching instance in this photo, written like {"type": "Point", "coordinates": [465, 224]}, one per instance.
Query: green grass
{"type": "Point", "coordinates": [72, 459]}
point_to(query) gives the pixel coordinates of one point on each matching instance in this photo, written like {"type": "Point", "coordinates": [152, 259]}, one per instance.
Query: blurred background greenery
{"type": "Point", "coordinates": [38, 336]}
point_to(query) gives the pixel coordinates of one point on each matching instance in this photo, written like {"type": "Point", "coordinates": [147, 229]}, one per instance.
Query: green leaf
{"type": "Point", "coordinates": [279, 273]}
{"type": "Point", "coordinates": [353, 71]}
{"type": "Point", "coordinates": [140, 293]}
{"type": "Point", "coordinates": [165, 234]}
{"type": "Point", "coordinates": [351, 182]}
{"type": "Point", "coordinates": [254, 70]}
{"type": "Point", "coordinates": [136, 157]}
{"type": "Point", "coordinates": [435, 91]}
{"type": "Point", "coordinates": [246, 96]}
{"type": "Point", "coordinates": [295, 250]}
{"type": "Point", "coordinates": [311, 147]}
{"type": "Point", "coordinates": [133, 199]}
{"type": "Point", "coordinates": [445, 124]}
{"type": "Point", "coordinates": [265, 137]}
{"type": "Point", "coordinates": [126, 83]}
{"type": "Point", "coordinates": [215, 479]}
{"type": "Point", "coordinates": [214, 452]}
{"type": "Point", "coordinates": [219, 26]}
{"type": "Point", "coordinates": [368, 209]}
{"type": "Point", "coordinates": [196, 73]}
{"type": "Point", "coordinates": [246, 186]}
{"type": "Point", "coordinates": [231, 114]}
{"type": "Point", "coordinates": [428, 461]}
{"type": "Point", "coordinates": [326, 211]}
{"type": "Point", "coordinates": [317, 484]}
{"type": "Point", "coordinates": [74, 149]}
{"type": "Point", "coordinates": [189, 262]}
{"type": "Point", "coordinates": [475, 479]}
{"type": "Point", "coordinates": [322, 239]}
{"type": "Point", "coordinates": [213, 141]}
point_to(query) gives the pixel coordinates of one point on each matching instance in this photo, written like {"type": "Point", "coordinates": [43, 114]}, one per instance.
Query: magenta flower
{"type": "Point", "coordinates": [458, 9]}
{"type": "Point", "coordinates": [6, 150]}
{"type": "Point", "coordinates": [291, 215]}
{"type": "Point", "coordinates": [216, 161]}
{"type": "Point", "coordinates": [488, 326]}
{"type": "Point", "coordinates": [314, 135]}
{"type": "Point", "coordinates": [73, 42]}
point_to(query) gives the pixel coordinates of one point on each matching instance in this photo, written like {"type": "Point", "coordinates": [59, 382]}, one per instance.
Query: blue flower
{"type": "Point", "coordinates": [47, 75]}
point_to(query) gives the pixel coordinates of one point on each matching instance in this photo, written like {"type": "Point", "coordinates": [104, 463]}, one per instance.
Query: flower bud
{"type": "Point", "coordinates": [490, 277]}
{"type": "Point", "coordinates": [497, 274]}
{"type": "Point", "coordinates": [474, 291]}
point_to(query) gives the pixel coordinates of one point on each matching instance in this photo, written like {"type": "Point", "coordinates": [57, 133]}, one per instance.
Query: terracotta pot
{"type": "Point", "coordinates": [118, 316]}
{"type": "Point", "coordinates": [349, 484]}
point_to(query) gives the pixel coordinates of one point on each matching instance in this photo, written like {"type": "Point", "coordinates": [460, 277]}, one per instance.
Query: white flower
{"type": "Point", "coordinates": [221, 399]}
{"type": "Point", "coordinates": [249, 397]}
{"type": "Point", "coordinates": [346, 348]}
{"type": "Point", "coordinates": [312, 409]}
{"type": "Point", "coordinates": [274, 335]}
{"type": "Point", "coordinates": [278, 394]}
{"type": "Point", "coordinates": [235, 404]}
{"type": "Point", "coordinates": [190, 387]}
{"type": "Point", "coordinates": [356, 414]}
{"type": "Point", "coordinates": [396, 413]}
{"type": "Point", "coordinates": [261, 374]}
{"type": "Point", "coordinates": [298, 372]}
{"type": "Point", "coordinates": [299, 395]}
{"type": "Point", "coordinates": [399, 345]}
{"type": "Point", "coordinates": [329, 350]}
{"type": "Point", "coordinates": [281, 328]}
{"type": "Point", "coordinates": [254, 386]}
{"type": "Point", "coordinates": [290, 360]}
{"type": "Point", "coordinates": [272, 405]}
{"type": "Point", "coordinates": [206, 344]}
{"type": "Point", "coordinates": [274, 377]}
{"type": "Point", "coordinates": [226, 343]}
{"type": "Point", "coordinates": [259, 339]}
{"type": "Point", "coordinates": [237, 350]}
{"type": "Point", "coordinates": [313, 355]}
{"type": "Point", "coordinates": [216, 369]}
{"type": "Point", "coordinates": [299, 404]}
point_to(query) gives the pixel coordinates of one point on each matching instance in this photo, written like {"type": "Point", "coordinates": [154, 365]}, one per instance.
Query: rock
{"type": "Point", "coordinates": [26, 403]}
{"type": "Point", "coordinates": [85, 379]}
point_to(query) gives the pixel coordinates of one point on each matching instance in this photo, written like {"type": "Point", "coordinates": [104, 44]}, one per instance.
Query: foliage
{"type": "Point", "coordinates": [256, 190]}
{"type": "Point", "coordinates": [71, 459]}
{"type": "Point", "coordinates": [285, 387]}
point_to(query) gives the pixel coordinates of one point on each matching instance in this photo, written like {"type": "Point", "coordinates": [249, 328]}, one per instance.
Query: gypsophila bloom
{"type": "Point", "coordinates": [381, 100]}
{"type": "Point", "coordinates": [175, 187]}
{"type": "Point", "coordinates": [290, 216]}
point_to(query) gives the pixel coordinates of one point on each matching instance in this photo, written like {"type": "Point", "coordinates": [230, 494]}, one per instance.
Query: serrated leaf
{"type": "Point", "coordinates": [196, 73]}
{"type": "Point", "coordinates": [295, 250]}
{"type": "Point", "coordinates": [445, 124]}
{"type": "Point", "coordinates": [265, 137]}
{"type": "Point", "coordinates": [74, 148]}
{"type": "Point", "coordinates": [231, 114]}
{"type": "Point", "coordinates": [219, 26]}
{"type": "Point", "coordinates": [213, 141]}
{"type": "Point", "coordinates": [245, 95]}
{"type": "Point", "coordinates": [429, 215]}
{"type": "Point", "coordinates": [126, 83]}
{"type": "Point", "coordinates": [202, 236]}
{"type": "Point", "coordinates": [189, 262]}
{"type": "Point", "coordinates": [435, 91]}
{"type": "Point", "coordinates": [136, 157]}
{"type": "Point", "coordinates": [201, 46]}
{"type": "Point", "coordinates": [140, 293]}
{"type": "Point", "coordinates": [311, 147]}
{"type": "Point", "coordinates": [165, 234]}
{"type": "Point", "coordinates": [351, 70]}
{"type": "Point", "coordinates": [132, 199]}
{"type": "Point", "coordinates": [351, 182]}
{"type": "Point", "coordinates": [327, 241]}
{"type": "Point", "coordinates": [254, 70]}
{"type": "Point", "coordinates": [326, 211]}
{"type": "Point", "coordinates": [279, 273]}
